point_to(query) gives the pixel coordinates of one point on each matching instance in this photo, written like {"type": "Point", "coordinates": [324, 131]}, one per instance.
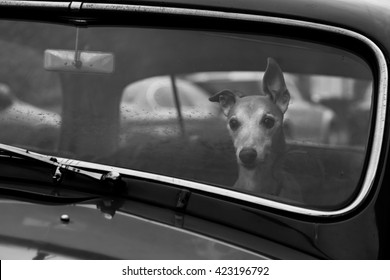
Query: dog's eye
{"type": "Point", "coordinates": [234, 124]}
{"type": "Point", "coordinates": [268, 122]}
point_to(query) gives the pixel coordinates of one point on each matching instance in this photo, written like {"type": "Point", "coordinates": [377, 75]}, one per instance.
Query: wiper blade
{"type": "Point", "coordinates": [109, 176]}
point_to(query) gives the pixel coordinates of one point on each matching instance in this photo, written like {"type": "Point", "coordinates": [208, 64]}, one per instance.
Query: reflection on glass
{"type": "Point", "coordinates": [154, 114]}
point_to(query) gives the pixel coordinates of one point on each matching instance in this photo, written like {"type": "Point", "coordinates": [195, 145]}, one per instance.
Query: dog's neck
{"type": "Point", "coordinates": [261, 179]}
{"type": "Point", "coordinates": [257, 180]}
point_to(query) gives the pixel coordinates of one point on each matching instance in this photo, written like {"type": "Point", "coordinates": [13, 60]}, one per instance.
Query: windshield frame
{"type": "Point", "coordinates": [375, 146]}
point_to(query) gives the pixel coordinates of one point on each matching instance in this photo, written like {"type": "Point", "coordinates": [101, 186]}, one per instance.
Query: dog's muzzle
{"type": "Point", "coordinates": [248, 157]}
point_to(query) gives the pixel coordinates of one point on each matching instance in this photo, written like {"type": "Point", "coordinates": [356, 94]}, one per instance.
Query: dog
{"type": "Point", "coordinates": [255, 124]}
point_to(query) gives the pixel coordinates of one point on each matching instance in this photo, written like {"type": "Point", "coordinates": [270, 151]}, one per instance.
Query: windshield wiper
{"type": "Point", "coordinates": [109, 176]}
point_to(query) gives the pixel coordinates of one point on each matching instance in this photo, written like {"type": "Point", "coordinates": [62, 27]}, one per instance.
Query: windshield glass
{"type": "Point", "coordinates": [277, 118]}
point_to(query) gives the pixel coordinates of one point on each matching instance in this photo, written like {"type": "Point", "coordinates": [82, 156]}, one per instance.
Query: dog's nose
{"type": "Point", "coordinates": [248, 155]}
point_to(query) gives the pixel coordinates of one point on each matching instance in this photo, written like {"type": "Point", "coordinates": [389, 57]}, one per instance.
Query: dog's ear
{"type": "Point", "coordinates": [275, 86]}
{"type": "Point", "coordinates": [226, 100]}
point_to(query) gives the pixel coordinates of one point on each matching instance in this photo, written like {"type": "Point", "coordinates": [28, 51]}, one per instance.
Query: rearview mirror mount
{"type": "Point", "coordinates": [78, 60]}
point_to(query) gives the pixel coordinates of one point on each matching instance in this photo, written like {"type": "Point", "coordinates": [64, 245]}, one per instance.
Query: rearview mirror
{"type": "Point", "coordinates": [79, 61]}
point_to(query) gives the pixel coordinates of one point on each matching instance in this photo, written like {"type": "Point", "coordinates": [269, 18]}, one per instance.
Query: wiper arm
{"type": "Point", "coordinates": [109, 176]}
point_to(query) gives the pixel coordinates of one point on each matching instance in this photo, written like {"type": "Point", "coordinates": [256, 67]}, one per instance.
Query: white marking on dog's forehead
{"type": "Point", "coordinates": [251, 106]}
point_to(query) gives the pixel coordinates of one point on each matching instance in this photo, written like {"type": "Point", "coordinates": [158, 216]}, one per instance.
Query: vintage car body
{"type": "Point", "coordinates": [153, 211]}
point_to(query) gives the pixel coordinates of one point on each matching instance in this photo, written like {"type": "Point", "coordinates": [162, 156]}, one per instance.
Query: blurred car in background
{"type": "Point", "coordinates": [164, 106]}
{"type": "Point", "coordinates": [27, 125]}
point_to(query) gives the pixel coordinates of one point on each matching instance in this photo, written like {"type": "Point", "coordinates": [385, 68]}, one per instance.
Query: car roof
{"type": "Point", "coordinates": [367, 16]}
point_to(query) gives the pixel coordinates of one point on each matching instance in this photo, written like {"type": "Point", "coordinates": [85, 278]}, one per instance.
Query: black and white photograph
{"type": "Point", "coordinates": [236, 130]}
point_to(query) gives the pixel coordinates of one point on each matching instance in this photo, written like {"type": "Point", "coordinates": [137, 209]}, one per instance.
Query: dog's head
{"type": "Point", "coordinates": [255, 122]}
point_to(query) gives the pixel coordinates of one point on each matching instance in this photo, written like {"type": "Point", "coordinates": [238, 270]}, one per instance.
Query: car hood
{"type": "Point", "coordinates": [37, 231]}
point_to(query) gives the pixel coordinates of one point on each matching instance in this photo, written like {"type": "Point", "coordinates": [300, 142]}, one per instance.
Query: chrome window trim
{"type": "Point", "coordinates": [35, 4]}
{"type": "Point", "coordinates": [379, 120]}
